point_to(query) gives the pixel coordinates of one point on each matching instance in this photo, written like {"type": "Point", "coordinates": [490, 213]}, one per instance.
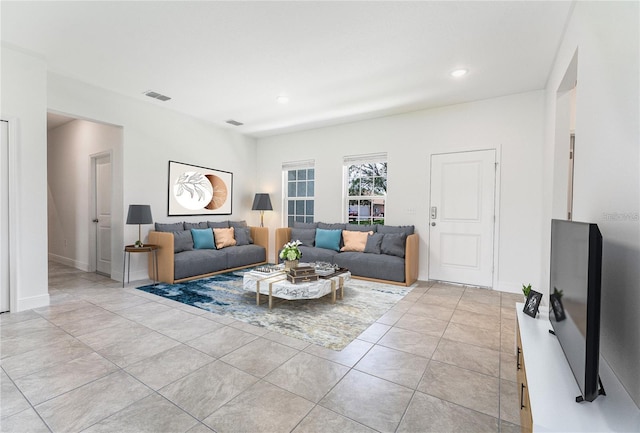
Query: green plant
{"type": "Point", "coordinates": [290, 251]}
{"type": "Point", "coordinates": [557, 292]}
{"type": "Point", "coordinates": [526, 290]}
{"type": "Point", "coordinates": [138, 243]}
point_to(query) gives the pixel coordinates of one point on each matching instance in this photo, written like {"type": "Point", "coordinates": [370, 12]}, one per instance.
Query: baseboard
{"type": "Point", "coordinates": [69, 262]}
{"type": "Point", "coordinates": [509, 287]}
{"type": "Point", "coordinates": [32, 302]}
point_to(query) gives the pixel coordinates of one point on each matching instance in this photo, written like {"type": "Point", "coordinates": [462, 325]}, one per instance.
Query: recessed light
{"type": "Point", "coordinates": [282, 99]}
{"type": "Point", "coordinates": [459, 73]}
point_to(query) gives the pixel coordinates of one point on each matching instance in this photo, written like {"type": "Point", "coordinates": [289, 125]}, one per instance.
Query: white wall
{"type": "Point", "coordinates": [70, 147]}
{"type": "Point", "coordinates": [607, 163]}
{"type": "Point", "coordinates": [24, 100]}
{"type": "Point", "coordinates": [513, 125]}
{"type": "Point", "coordinates": [153, 135]}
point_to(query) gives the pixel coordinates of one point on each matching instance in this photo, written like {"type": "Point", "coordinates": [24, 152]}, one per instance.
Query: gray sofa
{"type": "Point", "coordinates": [179, 260]}
{"type": "Point", "coordinates": [390, 254]}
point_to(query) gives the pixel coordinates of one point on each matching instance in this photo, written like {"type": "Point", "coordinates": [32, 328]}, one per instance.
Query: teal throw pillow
{"type": "Point", "coordinates": [203, 239]}
{"type": "Point", "coordinates": [328, 239]}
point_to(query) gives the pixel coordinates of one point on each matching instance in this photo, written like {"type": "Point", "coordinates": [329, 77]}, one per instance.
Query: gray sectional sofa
{"type": "Point", "coordinates": [179, 260]}
{"type": "Point", "coordinates": [390, 254]}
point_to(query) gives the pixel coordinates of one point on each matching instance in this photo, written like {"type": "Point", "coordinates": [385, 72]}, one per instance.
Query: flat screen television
{"type": "Point", "coordinates": [576, 267]}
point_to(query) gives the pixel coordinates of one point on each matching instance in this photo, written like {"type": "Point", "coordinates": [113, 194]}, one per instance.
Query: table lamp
{"type": "Point", "coordinates": [139, 214]}
{"type": "Point", "coordinates": [261, 202]}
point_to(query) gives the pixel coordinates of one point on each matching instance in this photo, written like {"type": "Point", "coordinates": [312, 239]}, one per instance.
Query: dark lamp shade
{"type": "Point", "coordinates": [262, 202]}
{"type": "Point", "coordinates": [139, 214]}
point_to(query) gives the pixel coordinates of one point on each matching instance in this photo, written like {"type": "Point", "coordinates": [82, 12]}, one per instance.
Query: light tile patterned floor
{"type": "Point", "coordinates": [102, 358]}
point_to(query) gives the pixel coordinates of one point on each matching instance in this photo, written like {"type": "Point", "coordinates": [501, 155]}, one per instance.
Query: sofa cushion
{"type": "Point", "coordinates": [306, 236]}
{"type": "Point", "coordinates": [244, 255]}
{"type": "Point", "coordinates": [407, 230]}
{"type": "Point", "coordinates": [182, 241]}
{"type": "Point", "coordinates": [354, 240]}
{"type": "Point", "coordinates": [238, 224]}
{"type": "Point", "coordinates": [312, 254]}
{"type": "Point", "coordinates": [301, 225]}
{"type": "Point", "coordinates": [379, 266]}
{"type": "Point", "coordinates": [170, 227]}
{"type": "Point", "coordinates": [200, 225]}
{"type": "Point", "coordinates": [335, 226]}
{"type": "Point", "coordinates": [224, 237]}
{"type": "Point", "coordinates": [243, 236]}
{"type": "Point", "coordinates": [202, 239]}
{"type": "Point", "coordinates": [328, 239]}
{"type": "Point", "coordinates": [374, 243]}
{"type": "Point", "coordinates": [218, 224]}
{"type": "Point", "coordinates": [362, 227]}
{"type": "Point", "coordinates": [393, 244]}
{"type": "Point", "coordinates": [198, 262]}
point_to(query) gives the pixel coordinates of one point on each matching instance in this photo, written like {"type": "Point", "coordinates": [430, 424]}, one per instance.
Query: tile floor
{"type": "Point", "coordinates": [102, 358]}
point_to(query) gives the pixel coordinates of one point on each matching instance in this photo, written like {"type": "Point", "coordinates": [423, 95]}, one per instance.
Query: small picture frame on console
{"type": "Point", "coordinates": [532, 304]}
{"type": "Point", "coordinates": [557, 307]}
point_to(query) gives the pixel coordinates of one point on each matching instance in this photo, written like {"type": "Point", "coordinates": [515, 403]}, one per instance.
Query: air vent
{"type": "Point", "coordinates": [157, 95]}
{"type": "Point", "coordinates": [234, 122]}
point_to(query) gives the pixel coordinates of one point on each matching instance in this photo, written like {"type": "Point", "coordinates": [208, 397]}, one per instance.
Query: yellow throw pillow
{"type": "Point", "coordinates": [224, 237]}
{"type": "Point", "coordinates": [354, 241]}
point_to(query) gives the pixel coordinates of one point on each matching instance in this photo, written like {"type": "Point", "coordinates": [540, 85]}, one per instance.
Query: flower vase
{"type": "Point", "coordinates": [290, 264]}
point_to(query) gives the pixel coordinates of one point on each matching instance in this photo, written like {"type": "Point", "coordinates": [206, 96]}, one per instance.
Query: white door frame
{"type": "Point", "coordinates": [14, 222]}
{"type": "Point", "coordinates": [496, 204]}
{"type": "Point", "coordinates": [93, 227]}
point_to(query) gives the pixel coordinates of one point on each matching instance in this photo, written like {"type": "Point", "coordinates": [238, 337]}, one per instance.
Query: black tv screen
{"type": "Point", "coordinates": [576, 265]}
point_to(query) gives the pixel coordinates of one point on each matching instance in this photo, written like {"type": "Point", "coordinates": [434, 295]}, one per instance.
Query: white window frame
{"type": "Point", "coordinates": [289, 166]}
{"type": "Point", "coordinates": [372, 158]}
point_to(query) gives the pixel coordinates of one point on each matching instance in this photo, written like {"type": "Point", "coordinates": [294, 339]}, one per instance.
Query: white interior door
{"type": "Point", "coordinates": [103, 214]}
{"type": "Point", "coordinates": [4, 217]}
{"type": "Point", "coordinates": [462, 217]}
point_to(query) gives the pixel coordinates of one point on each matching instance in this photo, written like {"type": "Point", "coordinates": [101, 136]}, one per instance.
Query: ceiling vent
{"type": "Point", "coordinates": [156, 95]}
{"type": "Point", "coordinates": [234, 122]}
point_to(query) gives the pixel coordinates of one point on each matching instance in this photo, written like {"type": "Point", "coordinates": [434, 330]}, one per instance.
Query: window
{"type": "Point", "coordinates": [299, 187]}
{"type": "Point", "coordinates": [366, 178]}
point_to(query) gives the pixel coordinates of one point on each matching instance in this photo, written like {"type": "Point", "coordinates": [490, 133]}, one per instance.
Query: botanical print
{"type": "Point", "coordinates": [197, 190]}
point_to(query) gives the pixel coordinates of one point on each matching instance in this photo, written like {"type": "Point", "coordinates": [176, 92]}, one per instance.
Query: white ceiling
{"type": "Point", "coordinates": [337, 61]}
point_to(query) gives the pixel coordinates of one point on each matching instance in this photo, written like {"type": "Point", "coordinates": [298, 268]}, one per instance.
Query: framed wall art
{"type": "Point", "coordinates": [195, 190]}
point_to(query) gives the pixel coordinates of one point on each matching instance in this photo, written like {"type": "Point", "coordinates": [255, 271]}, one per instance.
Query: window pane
{"type": "Point", "coordinates": [290, 221]}
{"type": "Point", "coordinates": [291, 207]}
{"type": "Point", "coordinates": [302, 174]}
{"type": "Point", "coordinates": [291, 190]}
{"type": "Point", "coordinates": [300, 219]}
{"type": "Point", "coordinates": [311, 173]}
{"type": "Point", "coordinates": [366, 186]}
{"type": "Point", "coordinates": [299, 207]}
{"type": "Point", "coordinates": [308, 219]}
{"type": "Point", "coordinates": [302, 189]}
{"type": "Point", "coordinates": [291, 175]}
{"type": "Point", "coordinates": [310, 188]}
{"type": "Point", "coordinates": [309, 205]}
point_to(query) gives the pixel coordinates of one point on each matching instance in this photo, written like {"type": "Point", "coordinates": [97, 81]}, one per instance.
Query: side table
{"type": "Point", "coordinates": [147, 248]}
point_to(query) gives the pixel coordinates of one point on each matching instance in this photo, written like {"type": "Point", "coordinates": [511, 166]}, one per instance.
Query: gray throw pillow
{"type": "Point", "coordinates": [300, 225]}
{"type": "Point", "coordinates": [200, 225]}
{"type": "Point", "coordinates": [218, 224]}
{"type": "Point", "coordinates": [374, 243]}
{"type": "Point", "coordinates": [182, 241]}
{"type": "Point", "coordinates": [306, 236]}
{"type": "Point", "coordinates": [407, 230]}
{"type": "Point", "coordinates": [170, 227]}
{"type": "Point", "coordinates": [238, 224]}
{"type": "Point", "coordinates": [393, 244]}
{"type": "Point", "coordinates": [243, 236]}
{"type": "Point", "coordinates": [362, 227]}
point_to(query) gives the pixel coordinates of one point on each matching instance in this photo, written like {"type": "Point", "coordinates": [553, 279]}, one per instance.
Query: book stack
{"type": "Point", "coordinates": [303, 274]}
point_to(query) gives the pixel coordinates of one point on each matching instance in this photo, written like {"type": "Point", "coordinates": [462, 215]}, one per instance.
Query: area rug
{"type": "Point", "coordinates": [316, 321]}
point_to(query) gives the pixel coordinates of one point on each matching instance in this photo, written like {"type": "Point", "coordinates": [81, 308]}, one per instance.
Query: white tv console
{"type": "Point", "coordinates": [549, 390]}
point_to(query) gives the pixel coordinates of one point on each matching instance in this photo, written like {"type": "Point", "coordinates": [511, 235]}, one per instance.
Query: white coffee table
{"type": "Point", "coordinates": [275, 284]}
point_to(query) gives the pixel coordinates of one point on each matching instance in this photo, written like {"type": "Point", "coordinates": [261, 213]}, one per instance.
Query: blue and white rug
{"type": "Point", "coordinates": [316, 321]}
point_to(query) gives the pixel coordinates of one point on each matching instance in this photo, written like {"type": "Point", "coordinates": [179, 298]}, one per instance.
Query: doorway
{"type": "Point", "coordinates": [101, 191]}
{"type": "Point", "coordinates": [462, 217]}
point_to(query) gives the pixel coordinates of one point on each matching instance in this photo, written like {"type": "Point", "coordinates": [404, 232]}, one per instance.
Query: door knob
{"type": "Point", "coordinates": [433, 224]}
{"type": "Point", "coordinates": [95, 220]}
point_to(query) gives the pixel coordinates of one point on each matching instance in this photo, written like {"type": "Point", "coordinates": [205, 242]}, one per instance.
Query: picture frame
{"type": "Point", "coordinates": [197, 190]}
{"type": "Point", "coordinates": [532, 303]}
{"type": "Point", "coordinates": [557, 307]}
